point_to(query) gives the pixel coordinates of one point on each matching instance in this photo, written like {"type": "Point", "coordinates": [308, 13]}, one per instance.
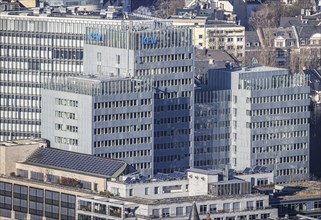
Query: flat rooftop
{"type": "Point", "coordinates": [22, 142]}
{"type": "Point", "coordinates": [310, 189]}
{"type": "Point", "coordinates": [186, 199]}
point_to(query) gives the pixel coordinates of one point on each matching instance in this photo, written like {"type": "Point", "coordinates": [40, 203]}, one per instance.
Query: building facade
{"type": "Point", "coordinates": [264, 121]}
{"type": "Point", "coordinates": [58, 184]}
{"type": "Point", "coordinates": [136, 101]}
{"type": "Point", "coordinates": [35, 48]}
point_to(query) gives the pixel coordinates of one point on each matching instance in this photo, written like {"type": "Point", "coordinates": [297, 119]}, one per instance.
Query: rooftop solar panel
{"type": "Point", "coordinates": [256, 168]}
{"type": "Point", "coordinates": [75, 161]}
{"type": "Point", "coordinates": [247, 170]}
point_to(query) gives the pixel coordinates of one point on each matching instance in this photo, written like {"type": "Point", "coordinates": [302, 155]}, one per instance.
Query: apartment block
{"type": "Point", "coordinates": [216, 35]}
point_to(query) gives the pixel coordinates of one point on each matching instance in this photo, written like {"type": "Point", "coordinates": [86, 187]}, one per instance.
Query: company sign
{"type": "Point", "coordinates": [149, 40]}
{"type": "Point", "coordinates": [95, 36]}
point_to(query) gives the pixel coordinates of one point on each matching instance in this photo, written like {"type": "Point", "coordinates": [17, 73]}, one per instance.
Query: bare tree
{"type": "Point", "coordinates": [267, 16]}
{"type": "Point", "coordinates": [166, 8]}
{"type": "Point", "coordinates": [270, 12]}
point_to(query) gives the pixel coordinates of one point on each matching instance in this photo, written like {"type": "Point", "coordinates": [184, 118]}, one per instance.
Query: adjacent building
{"type": "Point", "coordinates": [253, 116]}
{"type": "Point", "coordinates": [53, 183]}
{"type": "Point", "coordinates": [216, 35]}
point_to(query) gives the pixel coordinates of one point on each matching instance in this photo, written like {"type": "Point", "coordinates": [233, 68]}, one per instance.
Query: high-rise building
{"type": "Point", "coordinates": [136, 102]}
{"type": "Point", "coordinates": [33, 48]}
{"type": "Point", "coordinates": [256, 116]}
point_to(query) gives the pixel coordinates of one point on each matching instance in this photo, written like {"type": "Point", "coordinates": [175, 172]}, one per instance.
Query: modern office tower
{"type": "Point", "coordinates": [268, 121]}
{"type": "Point", "coordinates": [33, 48]}
{"type": "Point", "coordinates": [212, 128]}
{"type": "Point", "coordinates": [136, 102]}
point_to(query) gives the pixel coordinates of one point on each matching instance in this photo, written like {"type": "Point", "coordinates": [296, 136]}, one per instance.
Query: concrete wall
{"type": "Point", "coordinates": [83, 120]}
{"type": "Point", "coordinates": [100, 181]}
{"type": "Point", "coordinates": [11, 152]}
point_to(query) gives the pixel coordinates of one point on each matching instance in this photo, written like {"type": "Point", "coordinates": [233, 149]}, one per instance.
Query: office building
{"type": "Point", "coordinates": [135, 102]}
{"type": "Point", "coordinates": [53, 183]}
{"type": "Point", "coordinates": [255, 116]}
{"type": "Point", "coordinates": [32, 49]}
{"type": "Point", "coordinates": [47, 182]}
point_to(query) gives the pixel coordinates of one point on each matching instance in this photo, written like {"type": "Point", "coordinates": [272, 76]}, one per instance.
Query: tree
{"type": "Point", "coordinates": [267, 16]}
{"type": "Point", "coordinates": [166, 8]}
{"type": "Point", "coordinates": [269, 13]}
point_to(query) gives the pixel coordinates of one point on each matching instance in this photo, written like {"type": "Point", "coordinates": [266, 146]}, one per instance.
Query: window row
{"type": "Point", "coordinates": [173, 120]}
{"type": "Point", "coordinates": [287, 172]}
{"type": "Point", "coordinates": [212, 124]}
{"type": "Point", "coordinates": [279, 135]}
{"type": "Point", "coordinates": [212, 137]}
{"type": "Point", "coordinates": [70, 128]}
{"type": "Point", "coordinates": [64, 140]}
{"type": "Point", "coordinates": [216, 111]}
{"type": "Point", "coordinates": [200, 163]}
{"type": "Point", "coordinates": [278, 98]}
{"type": "Point", "coordinates": [121, 142]}
{"type": "Point", "coordinates": [277, 148]}
{"type": "Point", "coordinates": [165, 70]}
{"type": "Point", "coordinates": [173, 82]}
{"type": "Point", "coordinates": [124, 116]}
{"type": "Point", "coordinates": [291, 159]}
{"type": "Point", "coordinates": [169, 158]}
{"type": "Point", "coordinates": [121, 104]}
{"type": "Point", "coordinates": [172, 145]}
{"type": "Point", "coordinates": [172, 132]}
{"type": "Point", "coordinates": [161, 58]}
{"type": "Point", "coordinates": [171, 107]}
{"type": "Point", "coordinates": [216, 149]}
{"type": "Point", "coordinates": [66, 102]}
{"type": "Point", "coordinates": [67, 115]}
{"type": "Point", "coordinates": [276, 111]}
{"type": "Point", "coordinates": [172, 95]}
{"type": "Point", "coordinates": [121, 129]}
{"type": "Point", "coordinates": [126, 154]}
{"type": "Point", "coordinates": [277, 123]}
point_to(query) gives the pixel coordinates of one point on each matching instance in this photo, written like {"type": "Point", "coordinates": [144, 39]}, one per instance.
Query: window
{"type": "Point", "coordinates": [250, 205]}
{"type": "Point", "coordinates": [99, 56]}
{"type": "Point", "coordinates": [156, 190]}
{"type": "Point", "coordinates": [236, 207]}
{"type": "Point", "coordinates": [37, 176]}
{"type": "Point", "coordinates": [259, 204]}
{"type": "Point", "coordinates": [22, 173]}
{"type": "Point", "coordinates": [317, 204]}
{"type": "Point", "coordinates": [179, 211]}
{"type": "Point", "coordinates": [117, 59]}
{"type": "Point", "coordinates": [130, 192]}
{"type": "Point", "coordinates": [146, 190]}
{"type": "Point", "coordinates": [203, 209]}
{"type": "Point", "coordinates": [226, 207]}
{"type": "Point", "coordinates": [213, 208]}
{"type": "Point", "coordinates": [165, 212]}
{"type": "Point", "coordinates": [200, 36]}
{"type": "Point", "coordinates": [188, 210]}
{"type": "Point", "coordinates": [155, 213]}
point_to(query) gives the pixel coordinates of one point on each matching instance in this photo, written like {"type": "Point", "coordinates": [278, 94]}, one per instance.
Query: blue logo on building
{"type": "Point", "coordinates": [95, 36]}
{"type": "Point", "coordinates": [149, 40]}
